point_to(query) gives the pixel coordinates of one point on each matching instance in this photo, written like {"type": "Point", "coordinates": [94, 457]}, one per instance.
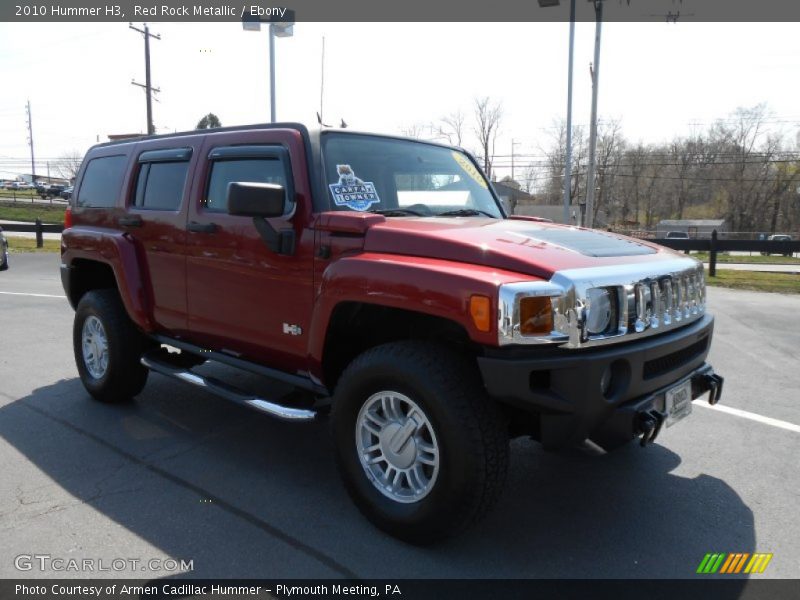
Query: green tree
{"type": "Point", "coordinates": [209, 122]}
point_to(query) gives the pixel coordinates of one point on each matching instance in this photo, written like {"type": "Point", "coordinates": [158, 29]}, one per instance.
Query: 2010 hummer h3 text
{"type": "Point", "coordinates": [382, 278]}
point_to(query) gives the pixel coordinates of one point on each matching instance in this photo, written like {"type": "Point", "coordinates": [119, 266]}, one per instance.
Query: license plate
{"type": "Point", "coordinates": [678, 402]}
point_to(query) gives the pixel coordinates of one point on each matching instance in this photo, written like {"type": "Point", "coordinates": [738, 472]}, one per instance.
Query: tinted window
{"type": "Point", "coordinates": [255, 170]}
{"type": "Point", "coordinates": [102, 181]}
{"type": "Point", "coordinates": [160, 185]}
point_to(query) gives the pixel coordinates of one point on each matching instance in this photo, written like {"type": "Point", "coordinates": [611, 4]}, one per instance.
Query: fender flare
{"type": "Point", "coordinates": [121, 253]}
{"type": "Point", "coordinates": [433, 287]}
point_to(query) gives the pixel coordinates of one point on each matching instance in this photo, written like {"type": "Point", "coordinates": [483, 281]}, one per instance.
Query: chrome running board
{"type": "Point", "coordinates": [219, 388]}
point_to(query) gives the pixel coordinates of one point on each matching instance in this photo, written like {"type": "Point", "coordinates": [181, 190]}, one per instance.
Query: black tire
{"type": "Point", "coordinates": [124, 376]}
{"type": "Point", "coordinates": [3, 260]}
{"type": "Point", "coordinates": [472, 436]}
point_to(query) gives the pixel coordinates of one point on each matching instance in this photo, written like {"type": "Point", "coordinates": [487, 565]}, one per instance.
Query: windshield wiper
{"type": "Point", "coordinates": [465, 212]}
{"type": "Point", "coordinates": [395, 212]}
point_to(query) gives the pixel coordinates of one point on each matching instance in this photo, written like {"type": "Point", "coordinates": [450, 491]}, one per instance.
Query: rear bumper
{"type": "Point", "coordinates": [602, 394]}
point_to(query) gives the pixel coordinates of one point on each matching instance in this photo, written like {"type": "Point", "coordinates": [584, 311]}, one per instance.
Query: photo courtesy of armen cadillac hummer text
{"type": "Point", "coordinates": [380, 280]}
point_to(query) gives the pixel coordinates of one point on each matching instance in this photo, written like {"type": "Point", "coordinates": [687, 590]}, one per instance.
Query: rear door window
{"type": "Point", "coordinates": [160, 185]}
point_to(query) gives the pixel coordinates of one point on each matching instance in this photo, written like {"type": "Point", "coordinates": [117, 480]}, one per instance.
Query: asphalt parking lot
{"type": "Point", "coordinates": [185, 475]}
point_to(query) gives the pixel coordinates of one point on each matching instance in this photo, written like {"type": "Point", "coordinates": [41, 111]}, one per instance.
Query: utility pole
{"type": "Point", "coordinates": [598, 10]}
{"type": "Point", "coordinates": [30, 142]}
{"type": "Point", "coordinates": [148, 88]}
{"type": "Point", "coordinates": [513, 143]}
{"type": "Point", "coordinates": [568, 156]}
{"type": "Point", "coordinates": [322, 83]}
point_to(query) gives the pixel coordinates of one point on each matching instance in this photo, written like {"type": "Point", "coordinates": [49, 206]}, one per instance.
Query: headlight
{"type": "Point", "coordinates": [526, 312]}
{"type": "Point", "coordinates": [599, 310]}
{"type": "Point", "coordinates": [535, 315]}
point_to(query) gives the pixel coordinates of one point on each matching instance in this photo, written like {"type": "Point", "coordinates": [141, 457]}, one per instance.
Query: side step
{"type": "Point", "coordinates": [286, 413]}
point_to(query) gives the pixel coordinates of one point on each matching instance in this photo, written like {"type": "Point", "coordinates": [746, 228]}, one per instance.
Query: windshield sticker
{"type": "Point", "coordinates": [352, 192]}
{"type": "Point", "coordinates": [470, 169]}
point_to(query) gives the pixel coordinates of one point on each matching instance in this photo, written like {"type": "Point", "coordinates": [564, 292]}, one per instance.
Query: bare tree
{"type": "Point", "coordinates": [555, 157]}
{"type": "Point", "coordinates": [610, 146]}
{"type": "Point", "coordinates": [740, 136]}
{"type": "Point", "coordinates": [68, 165]}
{"type": "Point", "coordinates": [487, 122]}
{"type": "Point", "coordinates": [451, 128]}
{"type": "Point", "coordinates": [414, 130]}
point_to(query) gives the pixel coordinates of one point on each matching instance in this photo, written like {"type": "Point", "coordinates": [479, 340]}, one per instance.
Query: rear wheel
{"type": "Point", "coordinates": [422, 450]}
{"type": "Point", "coordinates": [108, 348]}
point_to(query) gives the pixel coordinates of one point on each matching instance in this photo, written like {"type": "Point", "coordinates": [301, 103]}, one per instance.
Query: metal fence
{"type": "Point", "coordinates": [36, 227]}
{"type": "Point", "coordinates": [29, 197]}
{"type": "Point", "coordinates": [715, 244]}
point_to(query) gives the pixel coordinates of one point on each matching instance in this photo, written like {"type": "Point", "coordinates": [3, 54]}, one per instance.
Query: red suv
{"type": "Point", "coordinates": [381, 278]}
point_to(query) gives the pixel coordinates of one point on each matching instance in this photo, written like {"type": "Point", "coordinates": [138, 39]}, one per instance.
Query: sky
{"type": "Point", "coordinates": [658, 79]}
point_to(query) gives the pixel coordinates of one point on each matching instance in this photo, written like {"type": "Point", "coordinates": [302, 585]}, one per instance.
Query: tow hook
{"type": "Point", "coordinates": [714, 384]}
{"type": "Point", "coordinates": [650, 422]}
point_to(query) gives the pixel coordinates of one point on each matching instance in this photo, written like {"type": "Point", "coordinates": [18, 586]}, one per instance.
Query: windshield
{"type": "Point", "coordinates": [403, 178]}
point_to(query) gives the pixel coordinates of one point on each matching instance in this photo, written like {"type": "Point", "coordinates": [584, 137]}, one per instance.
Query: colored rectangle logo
{"type": "Point", "coordinates": [731, 563]}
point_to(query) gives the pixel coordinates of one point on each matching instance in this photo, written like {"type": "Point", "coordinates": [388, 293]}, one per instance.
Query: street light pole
{"type": "Point", "coordinates": [283, 28]}
{"type": "Point", "coordinates": [568, 157]}
{"type": "Point", "coordinates": [271, 74]}
{"type": "Point", "coordinates": [598, 9]}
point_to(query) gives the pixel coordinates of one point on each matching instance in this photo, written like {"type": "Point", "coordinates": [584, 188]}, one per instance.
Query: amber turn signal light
{"type": "Point", "coordinates": [480, 309]}
{"type": "Point", "coordinates": [535, 315]}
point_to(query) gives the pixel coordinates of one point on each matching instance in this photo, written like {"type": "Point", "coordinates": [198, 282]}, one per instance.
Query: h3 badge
{"type": "Point", "coordinates": [291, 329]}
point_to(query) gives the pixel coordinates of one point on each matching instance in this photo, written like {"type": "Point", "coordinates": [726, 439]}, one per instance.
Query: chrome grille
{"type": "Point", "coordinates": [650, 298]}
{"type": "Point", "coordinates": [670, 299]}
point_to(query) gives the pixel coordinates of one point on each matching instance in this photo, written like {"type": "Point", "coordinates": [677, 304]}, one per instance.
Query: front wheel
{"type": "Point", "coordinates": [108, 348]}
{"type": "Point", "coordinates": [422, 450]}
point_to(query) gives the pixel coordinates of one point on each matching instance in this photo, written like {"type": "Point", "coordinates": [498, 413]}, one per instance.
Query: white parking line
{"type": "Point", "coordinates": [32, 295]}
{"type": "Point", "coordinates": [752, 416]}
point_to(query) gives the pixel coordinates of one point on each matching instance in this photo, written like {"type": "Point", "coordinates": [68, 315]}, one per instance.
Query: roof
{"type": "Point", "coordinates": [122, 139]}
{"type": "Point", "coordinates": [692, 222]}
{"type": "Point", "coordinates": [503, 189]}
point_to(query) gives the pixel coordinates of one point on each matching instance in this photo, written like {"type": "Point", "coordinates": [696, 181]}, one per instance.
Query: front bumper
{"type": "Point", "coordinates": [609, 394]}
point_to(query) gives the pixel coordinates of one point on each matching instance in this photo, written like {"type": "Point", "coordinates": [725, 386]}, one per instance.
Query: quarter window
{"type": "Point", "coordinates": [102, 182]}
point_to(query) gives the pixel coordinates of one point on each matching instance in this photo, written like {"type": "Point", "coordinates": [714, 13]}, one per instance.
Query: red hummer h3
{"type": "Point", "coordinates": [382, 279]}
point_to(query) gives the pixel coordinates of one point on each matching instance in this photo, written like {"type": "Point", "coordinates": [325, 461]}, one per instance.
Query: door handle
{"type": "Point", "coordinates": [201, 227]}
{"type": "Point", "coordinates": [131, 221]}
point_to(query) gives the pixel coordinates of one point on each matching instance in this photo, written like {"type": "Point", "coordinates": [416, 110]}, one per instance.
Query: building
{"type": "Point", "coordinates": [696, 228]}
{"type": "Point", "coordinates": [511, 196]}
{"type": "Point", "coordinates": [28, 178]}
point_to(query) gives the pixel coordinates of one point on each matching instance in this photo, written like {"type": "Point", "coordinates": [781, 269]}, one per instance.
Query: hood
{"type": "Point", "coordinates": [524, 246]}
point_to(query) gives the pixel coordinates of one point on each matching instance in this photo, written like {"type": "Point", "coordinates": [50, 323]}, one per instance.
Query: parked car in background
{"type": "Point", "coordinates": [3, 251]}
{"type": "Point", "coordinates": [67, 193]}
{"type": "Point", "coordinates": [51, 191]}
{"type": "Point", "coordinates": [778, 237]}
{"type": "Point", "coordinates": [677, 235]}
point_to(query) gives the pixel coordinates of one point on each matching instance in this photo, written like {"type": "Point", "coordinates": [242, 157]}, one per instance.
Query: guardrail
{"type": "Point", "coordinates": [36, 227]}
{"type": "Point", "coordinates": [715, 245]}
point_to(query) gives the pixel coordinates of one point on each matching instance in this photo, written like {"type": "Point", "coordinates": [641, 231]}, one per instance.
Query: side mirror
{"type": "Point", "coordinates": [250, 199]}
